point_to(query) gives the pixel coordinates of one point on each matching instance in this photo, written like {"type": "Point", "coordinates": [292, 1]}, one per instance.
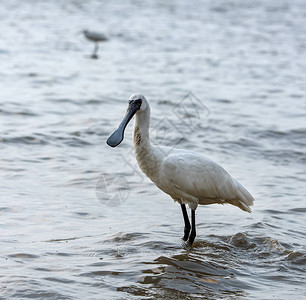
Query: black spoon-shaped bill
{"type": "Point", "coordinates": [117, 137]}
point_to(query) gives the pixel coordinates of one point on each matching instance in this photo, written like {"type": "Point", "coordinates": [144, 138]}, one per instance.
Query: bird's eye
{"type": "Point", "coordinates": [139, 101]}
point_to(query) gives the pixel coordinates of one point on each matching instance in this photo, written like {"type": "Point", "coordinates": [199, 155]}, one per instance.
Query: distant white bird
{"type": "Point", "coordinates": [95, 37]}
{"type": "Point", "coordinates": [187, 177]}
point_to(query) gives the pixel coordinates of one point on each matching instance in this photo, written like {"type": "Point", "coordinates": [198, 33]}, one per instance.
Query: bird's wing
{"type": "Point", "coordinates": [202, 178]}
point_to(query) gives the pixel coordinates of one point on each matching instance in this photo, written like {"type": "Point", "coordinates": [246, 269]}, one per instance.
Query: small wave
{"type": "Point", "coordinates": [77, 142]}
{"type": "Point", "coordinates": [157, 245]}
{"type": "Point", "coordinates": [105, 273]}
{"type": "Point", "coordinates": [59, 280]}
{"type": "Point", "coordinates": [36, 293]}
{"type": "Point", "coordinates": [25, 113]}
{"type": "Point", "coordinates": [294, 136]}
{"type": "Point", "coordinates": [222, 100]}
{"type": "Point", "coordinates": [275, 212]}
{"type": "Point", "coordinates": [188, 274]}
{"type": "Point", "coordinates": [45, 139]}
{"type": "Point", "coordinates": [297, 257]}
{"type": "Point", "coordinates": [27, 140]}
{"type": "Point", "coordinates": [77, 182]}
{"type": "Point", "coordinates": [298, 210]}
{"type": "Point", "coordinates": [166, 102]}
{"type": "Point", "coordinates": [240, 240]}
{"type": "Point", "coordinates": [192, 263]}
{"type": "Point", "coordinates": [262, 244]}
{"type": "Point", "coordinates": [62, 240]}
{"type": "Point", "coordinates": [94, 101]}
{"type": "Point", "coordinates": [5, 209]}
{"type": "Point", "coordinates": [285, 156]}
{"type": "Point", "coordinates": [24, 256]}
{"type": "Point", "coordinates": [124, 237]}
{"type": "Point", "coordinates": [244, 143]}
{"type": "Point", "coordinates": [267, 249]}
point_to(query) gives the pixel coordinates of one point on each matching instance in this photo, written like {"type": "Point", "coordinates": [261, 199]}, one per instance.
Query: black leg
{"type": "Point", "coordinates": [193, 228]}
{"type": "Point", "coordinates": [96, 48]}
{"type": "Point", "coordinates": [187, 223]}
{"type": "Point", "coordinates": [95, 53]}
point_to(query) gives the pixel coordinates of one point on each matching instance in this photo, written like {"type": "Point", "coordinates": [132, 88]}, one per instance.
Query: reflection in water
{"type": "Point", "coordinates": [214, 270]}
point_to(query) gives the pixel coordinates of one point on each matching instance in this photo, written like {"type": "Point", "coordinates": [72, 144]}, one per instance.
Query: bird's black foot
{"type": "Point", "coordinates": [191, 237]}
{"type": "Point", "coordinates": [94, 56]}
{"type": "Point", "coordinates": [186, 233]}
{"type": "Point", "coordinates": [186, 245]}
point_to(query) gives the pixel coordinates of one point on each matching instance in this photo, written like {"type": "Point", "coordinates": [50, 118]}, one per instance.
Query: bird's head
{"type": "Point", "coordinates": [137, 104]}
{"type": "Point", "coordinates": [139, 99]}
{"type": "Point", "coordinates": [83, 31]}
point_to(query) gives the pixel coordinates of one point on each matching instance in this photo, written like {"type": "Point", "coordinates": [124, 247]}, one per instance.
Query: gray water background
{"type": "Point", "coordinates": [244, 62]}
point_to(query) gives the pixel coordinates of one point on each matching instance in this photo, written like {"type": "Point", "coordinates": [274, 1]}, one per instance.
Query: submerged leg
{"type": "Point", "coordinates": [187, 223]}
{"type": "Point", "coordinates": [95, 53]}
{"type": "Point", "coordinates": [193, 228]}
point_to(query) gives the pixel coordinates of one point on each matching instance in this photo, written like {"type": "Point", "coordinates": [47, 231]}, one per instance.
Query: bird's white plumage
{"type": "Point", "coordinates": [197, 180]}
{"type": "Point", "coordinates": [187, 177]}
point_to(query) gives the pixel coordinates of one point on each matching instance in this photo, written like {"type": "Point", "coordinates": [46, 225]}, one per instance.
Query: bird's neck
{"type": "Point", "coordinates": [144, 151]}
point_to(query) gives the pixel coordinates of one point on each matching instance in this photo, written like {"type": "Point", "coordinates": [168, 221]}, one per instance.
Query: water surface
{"type": "Point", "coordinates": [243, 61]}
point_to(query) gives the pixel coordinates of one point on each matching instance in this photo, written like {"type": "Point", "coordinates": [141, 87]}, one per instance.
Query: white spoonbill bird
{"type": "Point", "coordinates": [95, 37]}
{"type": "Point", "coordinates": [188, 178]}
